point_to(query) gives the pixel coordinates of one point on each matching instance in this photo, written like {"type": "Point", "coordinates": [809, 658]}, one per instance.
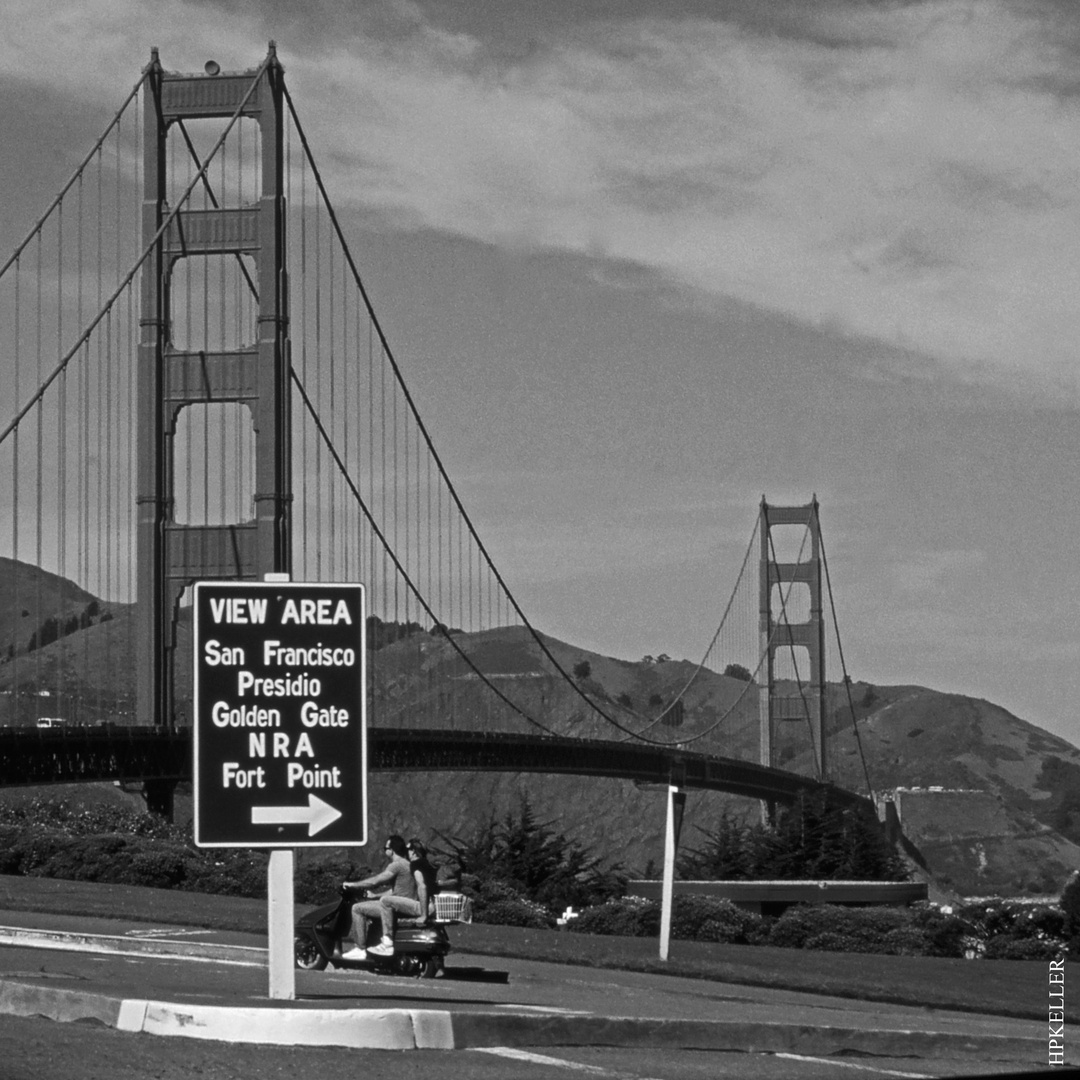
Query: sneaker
{"type": "Point", "coordinates": [384, 948]}
{"type": "Point", "coordinates": [355, 953]}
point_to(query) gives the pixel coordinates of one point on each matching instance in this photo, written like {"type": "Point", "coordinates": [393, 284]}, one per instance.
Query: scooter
{"type": "Point", "coordinates": [419, 946]}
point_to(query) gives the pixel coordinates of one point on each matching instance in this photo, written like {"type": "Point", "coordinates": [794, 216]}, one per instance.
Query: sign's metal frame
{"type": "Point", "coordinates": [355, 811]}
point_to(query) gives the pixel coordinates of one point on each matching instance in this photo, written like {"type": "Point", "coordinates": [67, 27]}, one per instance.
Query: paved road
{"type": "Point", "coordinates": [39, 1049]}
{"type": "Point", "coordinates": [533, 988]}
{"type": "Point", "coordinates": [532, 985]}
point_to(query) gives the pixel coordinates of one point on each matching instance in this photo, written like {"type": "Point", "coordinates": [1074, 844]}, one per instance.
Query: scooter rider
{"type": "Point", "coordinates": [398, 874]}
{"type": "Point", "coordinates": [391, 906]}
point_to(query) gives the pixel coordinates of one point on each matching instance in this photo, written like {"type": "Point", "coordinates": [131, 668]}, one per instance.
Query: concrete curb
{"type": "Point", "coordinates": [115, 945]}
{"type": "Point", "coordinates": [431, 1029]}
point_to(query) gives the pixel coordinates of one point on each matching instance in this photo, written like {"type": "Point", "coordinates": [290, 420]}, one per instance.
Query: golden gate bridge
{"type": "Point", "coordinates": [196, 386]}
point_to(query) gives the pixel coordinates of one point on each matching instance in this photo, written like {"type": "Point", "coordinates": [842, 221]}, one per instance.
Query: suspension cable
{"type": "Point", "coordinates": [843, 667]}
{"type": "Point", "coordinates": [107, 307]}
{"type": "Point", "coordinates": [701, 666]}
{"type": "Point", "coordinates": [78, 172]}
{"type": "Point", "coordinates": [388, 353]}
{"type": "Point", "coordinates": [333, 451]}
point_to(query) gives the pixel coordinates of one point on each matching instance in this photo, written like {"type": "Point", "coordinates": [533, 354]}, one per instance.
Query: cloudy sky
{"type": "Point", "coordinates": [644, 263]}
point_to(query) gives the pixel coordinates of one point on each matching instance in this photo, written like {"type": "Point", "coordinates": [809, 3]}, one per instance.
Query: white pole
{"type": "Point", "coordinates": [280, 923]}
{"type": "Point", "coordinates": [280, 916]}
{"type": "Point", "coordinates": [669, 874]}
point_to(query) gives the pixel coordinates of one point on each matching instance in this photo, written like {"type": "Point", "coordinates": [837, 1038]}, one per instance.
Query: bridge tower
{"type": "Point", "coordinates": [171, 554]}
{"type": "Point", "coordinates": [808, 703]}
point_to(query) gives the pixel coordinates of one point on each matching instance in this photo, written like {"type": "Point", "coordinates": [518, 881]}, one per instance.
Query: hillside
{"type": "Point", "coordinates": [1021, 835]}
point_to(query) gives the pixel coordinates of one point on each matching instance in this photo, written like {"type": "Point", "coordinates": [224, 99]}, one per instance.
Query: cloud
{"type": "Point", "coordinates": [561, 526]}
{"type": "Point", "coordinates": [932, 573]}
{"type": "Point", "coordinates": [912, 180]}
{"type": "Point", "coordinates": [905, 172]}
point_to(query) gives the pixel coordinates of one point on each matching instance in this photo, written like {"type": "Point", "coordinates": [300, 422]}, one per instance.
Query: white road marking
{"type": "Point", "coordinates": [544, 1059]}
{"type": "Point", "coordinates": [540, 1059]}
{"type": "Point", "coordinates": [854, 1065]}
{"type": "Point", "coordinates": [164, 933]}
{"type": "Point", "coordinates": [541, 1008]}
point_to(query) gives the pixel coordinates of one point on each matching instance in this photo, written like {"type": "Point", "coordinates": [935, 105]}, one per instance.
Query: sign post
{"type": "Point", "coordinates": [280, 727]}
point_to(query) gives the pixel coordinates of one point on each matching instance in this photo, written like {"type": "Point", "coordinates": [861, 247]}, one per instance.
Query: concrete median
{"type": "Point", "coordinates": [436, 1029]}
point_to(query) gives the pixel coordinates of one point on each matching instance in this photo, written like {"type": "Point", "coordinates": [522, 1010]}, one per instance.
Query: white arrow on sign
{"type": "Point", "coordinates": [316, 815]}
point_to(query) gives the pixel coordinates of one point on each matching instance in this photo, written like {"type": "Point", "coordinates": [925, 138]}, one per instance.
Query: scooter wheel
{"type": "Point", "coordinates": [307, 955]}
{"type": "Point", "coordinates": [407, 964]}
{"type": "Point", "coordinates": [432, 968]}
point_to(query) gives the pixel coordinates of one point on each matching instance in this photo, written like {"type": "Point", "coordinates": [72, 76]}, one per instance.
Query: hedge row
{"type": "Point", "coordinates": [998, 930]}
{"type": "Point", "coordinates": [158, 862]}
{"type": "Point", "coordinates": [119, 846]}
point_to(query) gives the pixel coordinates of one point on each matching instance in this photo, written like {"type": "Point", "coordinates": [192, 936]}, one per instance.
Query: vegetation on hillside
{"type": "Point", "coordinates": [120, 846]}
{"type": "Point", "coordinates": [522, 872]}
{"type": "Point", "coordinates": [815, 839]}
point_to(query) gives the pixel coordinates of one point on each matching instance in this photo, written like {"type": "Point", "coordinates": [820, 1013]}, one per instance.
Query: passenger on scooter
{"type": "Point", "coordinates": [425, 874]}
{"type": "Point", "coordinates": [424, 879]}
{"type": "Point", "coordinates": [398, 874]}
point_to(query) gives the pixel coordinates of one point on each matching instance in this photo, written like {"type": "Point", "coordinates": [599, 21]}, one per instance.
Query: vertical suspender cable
{"type": "Point", "coordinates": [382, 441]}
{"type": "Point", "coordinates": [61, 477]}
{"type": "Point", "coordinates": [397, 479]}
{"type": "Point", "coordinates": [40, 485]}
{"type": "Point", "coordinates": [371, 453]}
{"type": "Point", "coordinates": [318, 390]}
{"type": "Point", "coordinates": [332, 482]}
{"type": "Point", "coordinates": [19, 643]}
{"type": "Point", "coordinates": [304, 355]}
{"type": "Point", "coordinates": [843, 667]}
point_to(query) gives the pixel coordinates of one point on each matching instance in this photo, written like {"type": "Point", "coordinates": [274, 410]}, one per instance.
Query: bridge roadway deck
{"type": "Point", "coordinates": [84, 754]}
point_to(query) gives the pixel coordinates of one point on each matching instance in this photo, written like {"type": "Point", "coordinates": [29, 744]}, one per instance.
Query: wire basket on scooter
{"type": "Point", "coordinates": [452, 907]}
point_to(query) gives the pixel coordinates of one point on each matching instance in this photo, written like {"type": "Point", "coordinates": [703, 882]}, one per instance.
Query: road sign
{"type": "Point", "coordinates": [280, 717]}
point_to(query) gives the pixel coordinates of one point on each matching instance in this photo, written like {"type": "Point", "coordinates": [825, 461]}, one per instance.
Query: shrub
{"type": "Point", "coordinates": [34, 848]}
{"type": "Point", "coordinates": [1010, 947]}
{"type": "Point", "coordinates": [88, 858]}
{"type": "Point", "coordinates": [864, 929]}
{"type": "Point", "coordinates": [629, 916]}
{"type": "Point", "coordinates": [706, 918]}
{"type": "Point", "coordinates": [516, 911]}
{"type": "Point", "coordinates": [834, 941]}
{"type": "Point", "coordinates": [945, 933]}
{"type": "Point", "coordinates": [320, 882]}
{"type": "Point", "coordinates": [992, 918]}
{"type": "Point", "coordinates": [60, 816]}
{"type": "Point", "coordinates": [909, 941]}
{"type": "Point", "coordinates": [159, 869]}
{"type": "Point", "coordinates": [228, 873]}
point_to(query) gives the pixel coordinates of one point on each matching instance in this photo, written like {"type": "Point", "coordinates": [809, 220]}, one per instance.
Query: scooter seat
{"type": "Point", "coordinates": [412, 922]}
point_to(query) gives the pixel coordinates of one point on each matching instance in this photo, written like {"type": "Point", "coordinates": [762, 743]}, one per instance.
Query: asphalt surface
{"type": "Point", "coordinates": [176, 980]}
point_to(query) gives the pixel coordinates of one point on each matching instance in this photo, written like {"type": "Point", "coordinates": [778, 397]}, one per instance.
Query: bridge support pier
{"type": "Point", "coordinates": [159, 797]}
{"type": "Point", "coordinates": [809, 703]}
{"type": "Point", "coordinates": [206, 370]}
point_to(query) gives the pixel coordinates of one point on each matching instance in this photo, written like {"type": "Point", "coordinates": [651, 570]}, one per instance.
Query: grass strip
{"type": "Point", "coordinates": [1014, 988]}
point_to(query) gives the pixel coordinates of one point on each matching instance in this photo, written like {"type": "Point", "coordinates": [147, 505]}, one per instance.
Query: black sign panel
{"type": "Point", "coordinates": [280, 715]}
